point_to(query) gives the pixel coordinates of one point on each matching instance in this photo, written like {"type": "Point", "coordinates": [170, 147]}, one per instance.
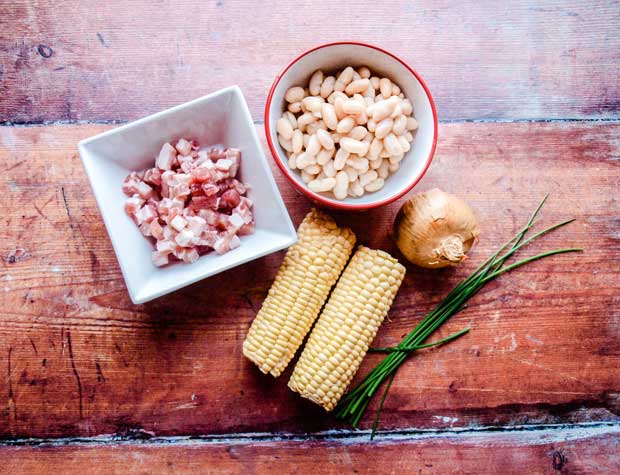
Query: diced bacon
{"type": "Point", "coordinates": [188, 255]}
{"type": "Point", "coordinates": [153, 176]}
{"type": "Point", "coordinates": [205, 202]}
{"type": "Point", "coordinates": [167, 157]}
{"type": "Point", "coordinates": [133, 204]}
{"type": "Point", "coordinates": [184, 238]}
{"type": "Point", "coordinates": [230, 199]}
{"type": "Point", "coordinates": [178, 223]}
{"type": "Point", "coordinates": [156, 230]}
{"type": "Point", "coordinates": [236, 221]}
{"type": "Point", "coordinates": [210, 189]}
{"type": "Point", "coordinates": [160, 258]}
{"type": "Point", "coordinates": [190, 203]}
{"type": "Point", "coordinates": [246, 229]}
{"type": "Point", "coordinates": [145, 215]}
{"type": "Point", "coordinates": [184, 147]}
{"type": "Point", "coordinates": [196, 225]}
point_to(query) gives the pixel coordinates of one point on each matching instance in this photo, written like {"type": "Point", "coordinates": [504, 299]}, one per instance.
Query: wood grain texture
{"type": "Point", "coordinates": [66, 60]}
{"type": "Point", "coordinates": [535, 453]}
{"type": "Point", "coordinates": [77, 358]}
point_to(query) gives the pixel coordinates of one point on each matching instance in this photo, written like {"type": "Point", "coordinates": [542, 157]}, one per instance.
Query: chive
{"type": "Point", "coordinates": [353, 405]}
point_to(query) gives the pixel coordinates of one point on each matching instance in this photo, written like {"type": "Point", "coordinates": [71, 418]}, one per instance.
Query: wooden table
{"type": "Point", "coordinates": [529, 101]}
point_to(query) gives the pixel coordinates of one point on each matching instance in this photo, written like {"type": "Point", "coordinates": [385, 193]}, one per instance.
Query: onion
{"type": "Point", "coordinates": [435, 229]}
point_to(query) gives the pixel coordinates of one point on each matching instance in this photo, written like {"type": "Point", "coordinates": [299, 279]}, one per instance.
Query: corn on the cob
{"type": "Point", "coordinates": [310, 268]}
{"type": "Point", "coordinates": [347, 326]}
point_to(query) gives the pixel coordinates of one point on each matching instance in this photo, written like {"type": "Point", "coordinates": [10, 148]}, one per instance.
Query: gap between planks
{"type": "Point", "coordinates": [610, 120]}
{"type": "Point", "coordinates": [542, 432]}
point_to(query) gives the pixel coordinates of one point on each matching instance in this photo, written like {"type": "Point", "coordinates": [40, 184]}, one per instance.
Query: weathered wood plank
{"type": "Point", "coordinates": [77, 358]}
{"type": "Point", "coordinates": [68, 61]}
{"type": "Point", "coordinates": [536, 453]}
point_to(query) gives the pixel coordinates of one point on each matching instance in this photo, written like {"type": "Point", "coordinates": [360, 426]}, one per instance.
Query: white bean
{"type": "Point", "coordinates": [375, 147]}
{"type": "Point", "coordinates": [404, 143]}
{"type": "Point", "coordinates": [409, 137]}
{"type": "Point", "coordinates": [305, 119]}
{"type": "Point", "coordinates": [406, 107]}
{"type": "Point", "coordinates": [334, 95]}
{"type": "Point", "coordinates": [325, 139]}
{"type": "Point", "coordinates": [292, 162]}
{"type": "Point", "coordinates": [396, 158]}
{"type": "Point", "coordinates": [392, 145]}
{"type": "Point", "coordinates": [325, 156]}
{"type": "Point", "coordinates": [369, 93]}
{"type": "Point", "coordinates": [368, 177]}
{"type": "Point", "coordinates": [355, 189]}
{"type": "Point", "coordinates": [396, 112]}
{"type": "Point", "coordinates": [393, 167]}
{"type": "Point", "coordinates": [371, 125]}
{"type": "Point", "coordinates": [314, 169]}
{"type": "Point", "coordinates": [327, 87]}
{"type": "Point", "coordinates": [294, 94]}
{"type": "Point", "coordinates": [380, 111]}
{"type": "Point", "coordinates": [400, 125]}
{"type": "Point", "coordinates": [395, 90]}
{"type": "Point", "coordinates": [375, 82]}
{"type": "Point", "coordinates": [336, 137]}
{"type": "Point", "coordinates": [353, 107]}
{"type": "Point", "coordinates": [361, 119]}
{"type": "Point", "coordinates": [384, 127]}
{"type": "Point", "coordinates": [314, 147]}
{"type": "Point", "coordinates": [351, 172]}
{"type": "Point", "coordinates": [318, 125]}
{"type": "Point", "coordinates": [358, 133]}
{"type": "Point", "coordinates": [321, 175]}
{"type": "Point", "coordinates": [384, 153]}
{"type": "Point", "coordinates": [306, 139]}
{"type": "Point", "coordinates": [284, 128]}
{"type": "Point", "coordinates": [304, 160]}
{"type": "Point", "coordinates": [375, 185]}
{"type": "Point", "coordinates": [354, 146]}
{"type": "Point", "coordinates": [297, 141]}
{"type": "Point", "coordinates": [313, 103]}
{"type": "Point", "coordinates": [345, 125]}
{"type": "Point", "coordinates": [306, 177]}
{"type": "Point", "coordinates": [295, 107]}
{"type": "Point", "coordinates": [386, 87]}
{"type": "Point", "coordinates": [341, 185]}
{"type": "Point", "coordinates": [291, 118]}
{"type": "Point", "coordinates": [346, 76]}
{"type": "Point", "coordinates": [412, 124]}
{"type": "Point", "coordinates": [383, 171]}
{"type": "Point", "coordinates": [330, 169]}
{"type": "Point", "coordinates": [363, 71]}
{"type": "Point", "coordinates": [321, 186]}
{"type": "Point", "coordinates": [315, 82]}
{"type": "Point", "coordinates": [338, 107]}
{"type": "Point", "coordinates": [286, 143]}
{"type": "Point", "coordinates": [360, 85]}
{"type": "Point", "coordinates": [341, 158]}
{"type": "Point", "coordinates": [329, 115]}
{"type": "Point", "coordinates": [361, 164]}
{"type": "Point", "coordinates": [356, 75]}
{"type": "Point", "coordinates": [376, 163]}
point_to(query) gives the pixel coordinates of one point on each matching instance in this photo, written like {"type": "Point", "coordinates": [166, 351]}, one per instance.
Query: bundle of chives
{"type": "Point", "coordinates": [354, 404]}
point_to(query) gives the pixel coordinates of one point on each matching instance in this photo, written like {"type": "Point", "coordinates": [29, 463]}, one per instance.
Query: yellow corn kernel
{"type": "Point", "coordinates": [346, 327]}
{"type": "Point", "coordinates": [302, 284]}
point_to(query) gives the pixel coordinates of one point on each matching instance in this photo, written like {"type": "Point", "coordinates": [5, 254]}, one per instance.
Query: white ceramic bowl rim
{"type": "Point", "coordinates": [322, 199]}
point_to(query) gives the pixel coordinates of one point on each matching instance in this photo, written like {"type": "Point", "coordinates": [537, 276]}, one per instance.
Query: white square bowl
{"type": "Point", "coordinates": [221, 118]}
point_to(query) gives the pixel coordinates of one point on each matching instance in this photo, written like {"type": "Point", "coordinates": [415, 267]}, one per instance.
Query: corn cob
{"type": "Point", "coordinates": [347, 326]}
{"type": "Point", "coordinates": [310, 268]}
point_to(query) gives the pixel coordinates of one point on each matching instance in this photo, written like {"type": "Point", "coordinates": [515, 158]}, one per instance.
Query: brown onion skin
{"type": "Point", "coordinates": [435, 229]}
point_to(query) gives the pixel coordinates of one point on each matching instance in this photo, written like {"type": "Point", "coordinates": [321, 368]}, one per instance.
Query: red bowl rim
{"type": "Point", "coordinates": [321, 199]}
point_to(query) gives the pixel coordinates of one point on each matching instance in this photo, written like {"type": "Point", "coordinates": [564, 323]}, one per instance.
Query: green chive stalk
{"type": "Point", "coordinates": [353, 405]}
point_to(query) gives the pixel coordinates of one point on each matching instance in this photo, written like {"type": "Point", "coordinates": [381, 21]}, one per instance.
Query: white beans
{"type": "Point", "coordinates": [294, 94]}
{"type": "Point", "coordinates": [325, 139]}
{"type": "Point", "coordinates": [347, 132]}
{"type": "Point", "coordinates": [327, 87]}
{"type": "Point", "coordinates": [320, 186]}
{"type": "Point", "coordinates": [341, 186]}
{"type": "Point", "coordinates": [314, 86]}
{"type": "Point", "coordinates": [329, 115]}
{"type": "Point", "coordinates": [284, 128]}
{"type": "Point", "coordinates": [353, 146]}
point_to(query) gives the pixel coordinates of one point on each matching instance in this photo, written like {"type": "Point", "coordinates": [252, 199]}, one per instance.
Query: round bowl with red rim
{"type": "Point", "coordinates": [331, 58]}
